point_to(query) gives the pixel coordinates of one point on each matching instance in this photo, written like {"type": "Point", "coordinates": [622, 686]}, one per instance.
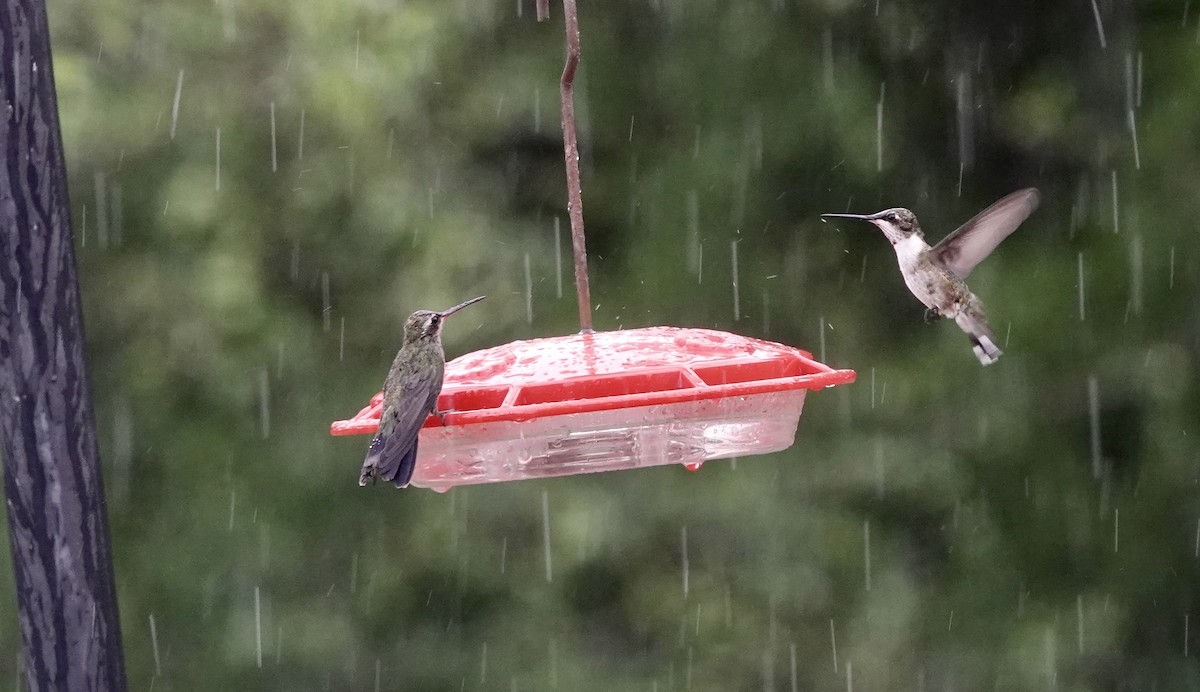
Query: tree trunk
{"type": "Point", "coordinates": [56, 517]}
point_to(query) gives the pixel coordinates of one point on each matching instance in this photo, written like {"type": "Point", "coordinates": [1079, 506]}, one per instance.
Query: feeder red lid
{"type": "Point", "coordinates": [579, 373]}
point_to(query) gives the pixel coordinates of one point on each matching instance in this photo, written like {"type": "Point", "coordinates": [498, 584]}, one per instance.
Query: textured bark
{"type": "Point", "coordinates": [58, 529]}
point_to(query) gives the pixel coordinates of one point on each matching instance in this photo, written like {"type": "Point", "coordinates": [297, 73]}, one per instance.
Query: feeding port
{"type": "Point", "coordinates": [609, 401]}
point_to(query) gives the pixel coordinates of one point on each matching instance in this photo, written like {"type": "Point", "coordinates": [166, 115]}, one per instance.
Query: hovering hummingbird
{"type": "Point", "coordinates": [410, 394]}
{"type": "Point", "coordinates": [935, 275]}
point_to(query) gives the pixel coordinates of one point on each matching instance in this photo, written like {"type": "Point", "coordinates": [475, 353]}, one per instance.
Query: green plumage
{"type": "Point", "coordinates": [410, 394]}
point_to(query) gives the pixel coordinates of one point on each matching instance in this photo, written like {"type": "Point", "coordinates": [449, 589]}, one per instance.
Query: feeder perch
{"type": "Point", "coordinates": [609, 401]}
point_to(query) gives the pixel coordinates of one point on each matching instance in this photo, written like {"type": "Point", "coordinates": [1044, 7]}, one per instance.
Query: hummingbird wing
{"type": "Point", "coordinates": [974, 240]}
{"type": "Point", "coordinates": [408, 463]}
{"type": "Point", "coordinates": [392, 455]}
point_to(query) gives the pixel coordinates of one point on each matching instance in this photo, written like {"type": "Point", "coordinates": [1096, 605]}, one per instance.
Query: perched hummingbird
{"type": "Point", "coordinates": [410, 394]}
{"type": "Point", "coordinates": [935, 275]}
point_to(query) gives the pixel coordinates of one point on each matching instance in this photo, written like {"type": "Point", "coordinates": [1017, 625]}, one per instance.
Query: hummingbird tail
{"type": "Point", "coordinates": [371, 464]}
{"type": "Point", "coordinates": [986, 351]}
{"type": "Point", "coordinates": [983, 342]}
{"type": "Point", "coordinates": [404, 472]}
{"type": "Point", "coordinates": [387, 462]}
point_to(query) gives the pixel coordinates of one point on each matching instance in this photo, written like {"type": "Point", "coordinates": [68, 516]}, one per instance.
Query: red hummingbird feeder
{"type": "Point", "coordinates": [606, 401]}
{"type": "Point", "coordinates": [609, 401]}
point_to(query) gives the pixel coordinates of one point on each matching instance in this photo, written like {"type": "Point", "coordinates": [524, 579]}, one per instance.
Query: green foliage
{"type": "Point", "coordinates": [945, 524]}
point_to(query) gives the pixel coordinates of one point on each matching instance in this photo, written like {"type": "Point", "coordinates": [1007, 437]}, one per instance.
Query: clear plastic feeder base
{"type": "Point", "coordinates": [689, 432]}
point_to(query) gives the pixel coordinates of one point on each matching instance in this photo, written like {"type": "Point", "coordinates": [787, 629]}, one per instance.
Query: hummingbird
{"type": "Point", "coordinates": [936, 275]}
{"type": "Point", "coordinates": [410, 394]}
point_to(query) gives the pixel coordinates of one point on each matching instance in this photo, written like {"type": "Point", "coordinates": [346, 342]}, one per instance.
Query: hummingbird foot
{"type": "Point", "coordinates": [932, 314]}
{"type": "Point", "coordinates": [441, 416]}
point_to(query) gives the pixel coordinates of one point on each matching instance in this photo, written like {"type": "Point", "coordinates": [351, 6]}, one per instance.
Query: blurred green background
{"type": "Point", "coordinates": [262, 191]}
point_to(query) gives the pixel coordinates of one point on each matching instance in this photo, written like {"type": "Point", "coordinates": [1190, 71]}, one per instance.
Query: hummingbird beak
{"type": "Point", "coordinates": [460, 306]}
{"type": "Point", "coordinates": [860, 217]}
